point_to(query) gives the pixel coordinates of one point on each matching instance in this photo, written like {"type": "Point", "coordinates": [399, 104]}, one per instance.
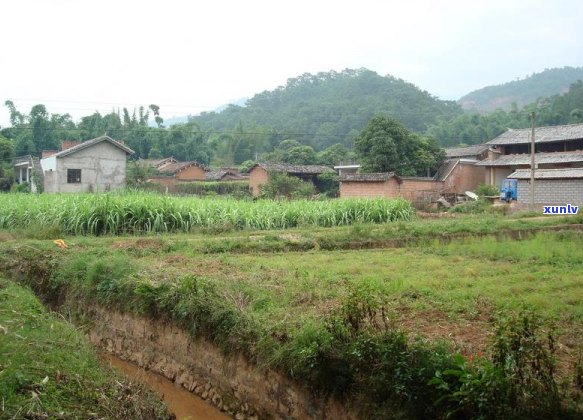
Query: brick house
{"type": "Point", "coordinates": [172, 172]}
{"type": "Point", "coordinates": [224, 174]}
{"type": "Point", "coordinates": [476, 152]}
{"type": "Point", "coordinates": [552, 186]}
{"type": "Point", "coordinates": [556, 147]}
{"type": "Point", "coordinates": [455, 176]}
{"type": "Point", "coordinates": [260, 173]}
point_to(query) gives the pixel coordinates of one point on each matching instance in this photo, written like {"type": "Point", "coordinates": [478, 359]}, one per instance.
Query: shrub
{"type": "Point", "coordinates": [518, 381]}
{"type": "Point", "coordinates": [328, 184]}
{"type": "Point", "coordinates": [282, 185]}
{"type": "Point", "coordinates": [234, 188]}
{"type": "Point", "coordinates": [246, 166]}
{"type": "Point", "coordinates": [487, 190]}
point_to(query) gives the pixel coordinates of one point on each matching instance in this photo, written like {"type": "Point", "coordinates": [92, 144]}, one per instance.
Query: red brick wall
{"type": "Point", "coordinates": [410, 189]}
{"type": "Point", "coordinates": [418, 189]}
{"type": "Point", "coordinates": [257, 176]}
{"type": "Point", "coordinates": [67, 144]}
{"type": "Point", "coordinates": [192, 173]}
{"type": "Point", "coordinates": [465, 177]}
{"type": "Point", "coordinates": [388, 188]}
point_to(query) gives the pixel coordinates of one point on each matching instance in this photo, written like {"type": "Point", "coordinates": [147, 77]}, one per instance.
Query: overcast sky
{"type": "Point", "coordinates": [78, 56]}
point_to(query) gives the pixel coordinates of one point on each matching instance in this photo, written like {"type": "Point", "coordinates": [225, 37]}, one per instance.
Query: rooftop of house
{"type": "Point", "coordinates": [89, 143]}
{"type": "Point", "coordinates": [22, 160]}
{"type": "Point", "coordinates": [541, 135]}
{"type": "Point", "coordinates": [157, 163]}
{"type": "Point", "coordinates": [567, 173]}
{"type": "Point", "coordinates": [176, 167]}
{"type": "Point", "coordinates": [477, 149]}
{"type": "Point", "coordinates": [351, 166]}
{"type": "Point", "coordinates": [218, 174]}
{"type": "Point", "coordinates": [294, 169]}
{"type": "Point", "coordinates": [544, 158]}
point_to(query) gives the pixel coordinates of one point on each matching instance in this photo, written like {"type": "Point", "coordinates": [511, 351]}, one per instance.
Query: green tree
{"type": "Point", "coordinates": [334, 155]}
{"type": "Point", "coordinates": [385, 145]}
{"type": "Point", "coordinates": [6, 155]}
{"type": "Point", "coordinates": [300, 155]}
{"type": "Point", "coordinates": [281, 185]}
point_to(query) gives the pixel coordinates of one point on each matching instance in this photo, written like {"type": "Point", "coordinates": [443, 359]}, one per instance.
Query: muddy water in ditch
{"type": "Point", "coordinates": [182, 403]}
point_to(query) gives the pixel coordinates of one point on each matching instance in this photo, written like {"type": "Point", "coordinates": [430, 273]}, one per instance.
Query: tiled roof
{"type": "Point", "coordinates": [466, 151]}
{"type": "Point", "coordinates": [524, 159]}
{"type": "Point", "coordinates": [21, 160]}
{"type": "Point", "coordinates": [174, 168]}
{"type": "Point", "coordinates": [294, 169]}
{"type": "Point", "coordinates": [548, 173]}
{"type": "Point", "coordinates": [156, 162]}
{"type": "Point", "coordinates": [215, 175]}
{"type": "Point", "coordinates": [372, 177]}
{"type": "Point", "coordinates": [541, 135]}
{"type": "Point", "coordinates": [91, 142]}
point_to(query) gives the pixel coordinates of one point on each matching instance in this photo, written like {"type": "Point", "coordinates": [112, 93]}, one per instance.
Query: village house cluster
{"type": "Point", "coordinates": [100, 165]}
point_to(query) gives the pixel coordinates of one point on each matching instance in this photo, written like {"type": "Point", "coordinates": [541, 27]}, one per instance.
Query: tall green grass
{"type": "Point", "coordinates": [88, 214]}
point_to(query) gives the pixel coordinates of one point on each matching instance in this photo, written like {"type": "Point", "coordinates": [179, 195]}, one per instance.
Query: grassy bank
{"type": "Point", "coordinates": [458, 328]}
{"type": "Point", "coordinates": [48, 370]}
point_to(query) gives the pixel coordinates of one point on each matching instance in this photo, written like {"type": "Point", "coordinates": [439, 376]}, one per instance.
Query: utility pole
{"type": "Point", "coordinates": [532, 163]}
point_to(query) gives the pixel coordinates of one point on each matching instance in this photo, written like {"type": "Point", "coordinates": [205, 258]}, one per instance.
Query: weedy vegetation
{"type": "Point", "coordinates": [49, 370]}
{"type": "Point", "coordinates": [476, 327]}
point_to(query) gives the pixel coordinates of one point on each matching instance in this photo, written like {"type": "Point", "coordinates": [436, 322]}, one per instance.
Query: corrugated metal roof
{"type": "Point", "coordinates": [524, 159]}
{"type": "Point", "coordinates": [475, 150]}
{"type": "Point", "coordinates": [294, 169]}
{"type": "Point", "coordinates": [567, 173]}
{"type": "Point", "coordinates": [91, 142]}
{"type": "Point", "coordinates": [372, 177]}
{"type": "Point", "coordinates": [541, 135]}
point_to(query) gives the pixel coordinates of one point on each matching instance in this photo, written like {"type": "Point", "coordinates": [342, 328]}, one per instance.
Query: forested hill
{"type": "Point", "coordinates": [474, 128]}
{"type": "Point", "coordinates": [327, 108]}
{"type": "Point", "coordinates": [522, 92]}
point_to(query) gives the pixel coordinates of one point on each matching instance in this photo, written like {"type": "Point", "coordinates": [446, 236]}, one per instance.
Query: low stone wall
{"type": "Point", "coordinates": [230, 383]}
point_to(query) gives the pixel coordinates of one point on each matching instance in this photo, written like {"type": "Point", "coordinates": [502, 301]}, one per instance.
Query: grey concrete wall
{"type": "Point", "coordinates": [552, 191]}
{"type": "Point", "coordinates": [103, 167]}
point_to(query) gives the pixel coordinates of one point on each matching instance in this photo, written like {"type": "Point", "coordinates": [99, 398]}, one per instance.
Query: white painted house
{"type": "Point", "coordinates": [91, 166]}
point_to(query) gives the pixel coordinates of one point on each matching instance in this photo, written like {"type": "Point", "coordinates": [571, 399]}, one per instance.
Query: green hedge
{"type": "Point", "coordinates": [236, 188]}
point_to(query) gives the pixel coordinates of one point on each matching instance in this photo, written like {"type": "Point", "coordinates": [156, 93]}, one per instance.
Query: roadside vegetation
{"type": "Point", "coordinates": [49, 370]}
{"type": "Point", "coordinates": [471, 327]}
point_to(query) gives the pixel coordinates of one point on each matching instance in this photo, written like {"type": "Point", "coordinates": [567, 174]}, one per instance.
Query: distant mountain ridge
{"type": "Point", "coordinates": [547, 83]}
{"type": "Point", "coordinates": [332, 107]}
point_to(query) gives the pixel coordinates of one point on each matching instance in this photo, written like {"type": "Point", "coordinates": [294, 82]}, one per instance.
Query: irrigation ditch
{"type": "Point", "coordinates": [229, 382]}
